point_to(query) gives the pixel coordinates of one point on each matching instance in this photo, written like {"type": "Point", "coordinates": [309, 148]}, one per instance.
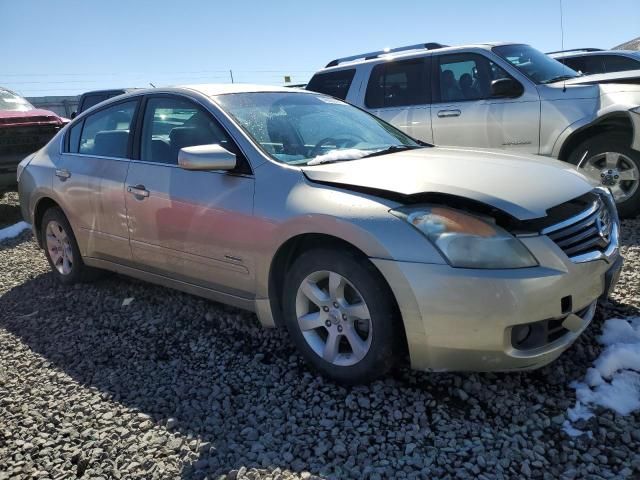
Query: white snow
{"type": "Point", "coordinates": [127, 301]}
{"type": "Point", "coordinates": [13, 230]}
{"type": "Point", "coordinates": [614, 380]}
{"type": "Point", "coordinates": [333, 155]}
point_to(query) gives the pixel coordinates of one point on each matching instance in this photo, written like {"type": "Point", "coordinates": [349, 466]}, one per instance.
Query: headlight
{"type": "Point", "coordinates": [467, 241]}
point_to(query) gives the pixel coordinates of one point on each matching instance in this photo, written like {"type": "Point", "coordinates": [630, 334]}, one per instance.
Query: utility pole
{"type": "Point", "coordinates": [231, 74]}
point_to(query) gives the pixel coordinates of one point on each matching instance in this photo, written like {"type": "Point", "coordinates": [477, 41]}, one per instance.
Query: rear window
{"type": "Point", "coordinates": [91, 100]}
{"type": "Point", "coordinates": [335, 84]}
{"type": "Point", "coordinates": [397, 84]}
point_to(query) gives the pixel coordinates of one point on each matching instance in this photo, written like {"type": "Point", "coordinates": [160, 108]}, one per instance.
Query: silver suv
{"type": "Point", "coordinates": [499, 95]}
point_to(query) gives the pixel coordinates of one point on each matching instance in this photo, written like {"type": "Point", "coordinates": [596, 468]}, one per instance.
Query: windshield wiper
{"type": "Point", "coordinates": [393, 149]}
{"type": "Point", "coordinates": [559, 78]}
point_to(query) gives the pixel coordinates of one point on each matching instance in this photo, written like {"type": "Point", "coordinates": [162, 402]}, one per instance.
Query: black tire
{"type": "Point", "coordinates": [385, 328]}
{"type": "Point", "coordinates": [611, 142]}
{"type": "Point", "coordinates": [79, 272]}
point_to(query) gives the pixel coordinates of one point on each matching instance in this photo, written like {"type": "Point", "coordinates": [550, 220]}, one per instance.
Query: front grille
{"type": "Point", "coordinates": [24, 140]}
{"type": "Point", "coordinates": [587, 232]}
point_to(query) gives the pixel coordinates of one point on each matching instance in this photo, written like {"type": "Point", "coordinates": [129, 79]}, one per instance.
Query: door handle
{"type": "Point", "coordinates": [449, 113]}
{"type": "Point", "coordinates": [138, 191]}
{"type": "Point", "coordinates": [63, 173]}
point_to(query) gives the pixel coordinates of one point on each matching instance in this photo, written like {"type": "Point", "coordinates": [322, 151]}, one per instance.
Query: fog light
{"type": "Point", "coordinates": [520, 333]}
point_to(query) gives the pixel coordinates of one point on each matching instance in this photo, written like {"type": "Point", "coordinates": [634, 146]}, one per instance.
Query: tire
{"type": "Point", "coordinates": [607, 158]}
{"type": "Point", "coordinates": [362, 292]}
{"type": "Point", "coordinates": [61, 249]}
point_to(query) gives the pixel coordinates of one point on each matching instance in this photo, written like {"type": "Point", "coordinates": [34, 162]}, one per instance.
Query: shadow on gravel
{"type": "Point", "coordinates": [248, 400]}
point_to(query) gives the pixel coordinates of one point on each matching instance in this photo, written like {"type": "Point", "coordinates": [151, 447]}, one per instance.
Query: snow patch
{"type": "Point", "coordinates": [335, 155]}
{"type": "Point", "coordinates": [614, 380]}
{"type": "Point", "coordinates": [13, 230]}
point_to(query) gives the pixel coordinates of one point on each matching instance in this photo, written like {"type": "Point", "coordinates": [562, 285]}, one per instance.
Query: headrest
{"type": "Point", "coordinates": [111, 143]}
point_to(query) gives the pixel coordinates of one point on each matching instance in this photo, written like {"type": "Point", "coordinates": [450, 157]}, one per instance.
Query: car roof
{"type": "Point", "coordinates": [572, 54]}
{"type": "Point", "coordinates": [213, 89]}
{"type": "Point", "coordinates": [109, 90]}
{"type": "Point", "coordinates": [406, 54]}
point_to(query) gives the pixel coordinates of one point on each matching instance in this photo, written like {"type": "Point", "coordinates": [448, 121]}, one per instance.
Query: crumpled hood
{"type": "Point", "coordinates": [524, 186]}
{"type": "Point", "coordinates": [624, 77]}
{"type": "Point", "coordinates": [29, 117]}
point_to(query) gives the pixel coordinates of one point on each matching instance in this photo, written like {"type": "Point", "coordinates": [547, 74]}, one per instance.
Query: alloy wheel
{"type": "Point", "coordinates": [333, 318]}
{"type": "Point", "coordinates": [614, 170]}
{"type": "Point", "coordinates": [59, 248]}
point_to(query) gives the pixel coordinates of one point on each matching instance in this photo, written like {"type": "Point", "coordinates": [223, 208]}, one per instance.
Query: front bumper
{"type": "Point", "coordinates": [462, 319]}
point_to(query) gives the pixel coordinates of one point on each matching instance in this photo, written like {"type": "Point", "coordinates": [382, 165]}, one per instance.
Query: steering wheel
{"type": "Point", "coordinates": [340, 142]}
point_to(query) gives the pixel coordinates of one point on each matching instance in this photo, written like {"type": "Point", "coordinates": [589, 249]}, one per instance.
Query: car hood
{"type": "Point", "coordinates": [629, 76]}
{"type": "Point", "coordinates": [524, 186]}
{"type": "Point", "coordinates": [29, 117]}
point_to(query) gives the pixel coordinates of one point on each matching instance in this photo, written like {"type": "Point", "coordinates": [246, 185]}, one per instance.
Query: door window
{"type": "Point", "coordinates": [173, 123]}
{"type": "Point", "coordinates": [466, 76]}
{"type": "Point", "coordinates": [106, 133]}
{"type": "Point", "coordinates": [397, 84]}
{"type": "Point", "coordinates": [618, 63]}
{"type": "Point", "coordinates": [588, 64]}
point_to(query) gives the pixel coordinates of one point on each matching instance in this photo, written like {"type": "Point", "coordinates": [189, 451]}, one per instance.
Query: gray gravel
{"type": "Point", "coordinates": [9, 208]}
{"type": "Point", "coordinates": [173, 386]}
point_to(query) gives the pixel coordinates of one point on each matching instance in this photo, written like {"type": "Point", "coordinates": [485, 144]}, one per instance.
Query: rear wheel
{"type": "Point", "coordinates": [61, 249]}
{"type": "Point", "coordinates": [341, 316]}
{"type": "Point", "coordinates": [608, 160]}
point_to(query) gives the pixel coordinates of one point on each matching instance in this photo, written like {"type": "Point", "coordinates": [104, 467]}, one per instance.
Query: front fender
{"type": "Point", "coordinates": [602, 116]}
{"type": "Point", "coordinates": [361, 220]}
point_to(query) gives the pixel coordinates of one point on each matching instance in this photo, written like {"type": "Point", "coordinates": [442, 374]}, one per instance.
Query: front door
{"type": "Point", "coordinates": [189, 225]}
{"type": "Point", "coordinates": [465, 114]}
{"type": "Point", "coordinates": [90, 176]}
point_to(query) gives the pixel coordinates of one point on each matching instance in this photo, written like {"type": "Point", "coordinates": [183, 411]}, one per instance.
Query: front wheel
{"type": "Point", "coordinates": [608, 160]}
{"type": "Point", "coordinates": [341, 315]}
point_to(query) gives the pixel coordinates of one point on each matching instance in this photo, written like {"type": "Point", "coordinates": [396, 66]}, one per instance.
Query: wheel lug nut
{"type": "Point", "coordinates": [616, 176]}
{"type": "Point", "coordinates": [610, 171]}
{"type": "Point", "coordinates": [339, 328]}
{"type": "Point", "coordinates": [602, 174]}
{"type": "Point", "coordinates": [335, 304]}
{"type": "Point", "coordinates": [328, 323]}
{"type": "Point", "coordinates": [344, 317]}
{"type": "Point", "coordinates": [325, 308]}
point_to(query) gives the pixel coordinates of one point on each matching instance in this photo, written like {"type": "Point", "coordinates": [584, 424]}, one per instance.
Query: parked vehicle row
{"type": "Point", "coordinates": [590, 61]}
{"type": "Point", "coordinates": [500, 95]}
{"type": "Point", "coordinates": [23, 130]}
{"type": "Point", "coordinates": [364, 243]}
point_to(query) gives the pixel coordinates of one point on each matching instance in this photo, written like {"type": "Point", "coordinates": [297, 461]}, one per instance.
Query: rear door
{"type": "Point", "coordinates": [90, 175]}
{"type": "Point", "coordinates": [465, 114]}
{"type": "Point", "coordinates": [399, 92]}
{"type": "Point", "coordinates": [189, 225]}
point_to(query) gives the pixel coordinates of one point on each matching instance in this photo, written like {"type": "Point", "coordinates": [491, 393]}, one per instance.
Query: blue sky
{"type": "Point", "coordinates": [65, 47]}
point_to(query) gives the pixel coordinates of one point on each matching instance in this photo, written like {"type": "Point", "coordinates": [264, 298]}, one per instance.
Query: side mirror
{"type": "Point", "coordinates": [506, 88]}
{"type": "Point", "coordinates": [206, 157]}
{"type": "Point", "coordinates": [74, 115]}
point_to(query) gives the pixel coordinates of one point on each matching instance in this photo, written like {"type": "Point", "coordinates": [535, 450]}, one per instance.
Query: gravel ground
{"type": "Point", "coordinates": [173, 386]}
{"type": "Point", "coordinates": [9, 208]}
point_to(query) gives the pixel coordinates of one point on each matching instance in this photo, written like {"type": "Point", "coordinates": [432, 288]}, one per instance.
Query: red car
{"type": "Point", "coordinates": [24, 129]}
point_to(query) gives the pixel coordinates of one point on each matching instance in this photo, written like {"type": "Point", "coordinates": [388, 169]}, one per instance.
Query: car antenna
{"type": "Point", "coordinates": [152, 85]}
{"type": "Point", "coordinates": [564, 64]}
